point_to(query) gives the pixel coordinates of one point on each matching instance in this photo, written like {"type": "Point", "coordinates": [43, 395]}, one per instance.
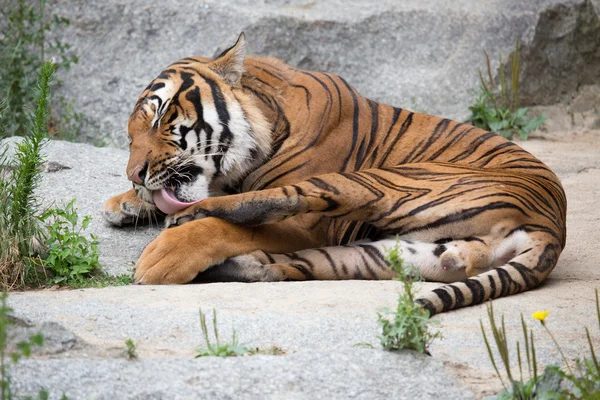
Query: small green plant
{"type": "Point", "coordinates": [24, 46]}
{"type": "Point", "coordinates": [408, 326]}
{"type": "Point", "coordinates": [230, 349]}
{"type": "Point", "coordinates": [554, 383]}
{"type": "Point", "coordinates": [219, 349]}
{"type": "Point", "coordinates": [72, 258]}
{"type": "Point", "coordinates": [130, 350]}
{"type": "Point", "coordinates": [497, 109]}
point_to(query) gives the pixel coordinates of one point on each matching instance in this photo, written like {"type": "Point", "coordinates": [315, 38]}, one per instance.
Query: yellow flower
{"type": "Point", "coordinates": [540, 315]}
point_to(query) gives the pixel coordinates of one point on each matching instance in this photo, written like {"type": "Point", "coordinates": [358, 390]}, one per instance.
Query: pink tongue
{"type": "Point", "coordinates": [166, 201]}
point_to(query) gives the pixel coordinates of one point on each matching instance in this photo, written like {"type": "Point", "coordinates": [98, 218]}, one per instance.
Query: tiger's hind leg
{"type": "Point", "coordinates": [360, 260]}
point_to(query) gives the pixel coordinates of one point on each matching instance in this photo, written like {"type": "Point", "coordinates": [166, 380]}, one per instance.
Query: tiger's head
{"type": "Point", "coordinates": [194, 129]}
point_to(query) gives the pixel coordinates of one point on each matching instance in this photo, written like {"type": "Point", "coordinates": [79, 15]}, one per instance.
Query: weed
{"type": "Point", "coordinates": [554, 383]}
{"type": "Point", "coordinates": [407, 326]}
{"type": "Point", "coordinates": [233, 348]}
{"type": "Point", "coordinates": [23, 49]}
{"type": "Point", "coordinates": [20, 232]}
{"type": "Point", "coordinates": [71, 258]}
{"type": "Point", "coordinates": [219, 349]}
{"type": "Point", "coordinates": [130, 350]}
{"type": "Point", "coordinates": [498, 111]}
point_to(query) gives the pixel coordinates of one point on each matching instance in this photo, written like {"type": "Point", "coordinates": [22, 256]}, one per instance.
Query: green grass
{"type": "Point", "coordinates": [555, 382]}
{"type": "Point", "coordinates": [406, 327]}
{"type": "Point", "coordinates": [497, 109]}
{"type": "Point", "coordinates": [227, 349]}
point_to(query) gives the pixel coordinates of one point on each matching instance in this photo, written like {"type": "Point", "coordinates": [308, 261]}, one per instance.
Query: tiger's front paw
{"type": "Point", "coordinates": [177, 255]}
{"type": "Point", "coordinates": [191, 213]}
{"type": "Point", "coordinates": [127, 209]}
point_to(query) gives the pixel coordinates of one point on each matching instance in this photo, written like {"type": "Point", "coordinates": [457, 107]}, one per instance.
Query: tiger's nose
{"type": "Point", "coordinates": [139, 174]}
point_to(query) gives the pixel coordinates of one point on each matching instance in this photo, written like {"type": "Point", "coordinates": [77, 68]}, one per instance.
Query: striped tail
{"type": "Point", "coordinates": [524, 272]}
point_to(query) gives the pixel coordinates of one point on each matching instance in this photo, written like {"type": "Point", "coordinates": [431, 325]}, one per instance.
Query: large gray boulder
{"type": "Point", "coordinates": [417, 54]}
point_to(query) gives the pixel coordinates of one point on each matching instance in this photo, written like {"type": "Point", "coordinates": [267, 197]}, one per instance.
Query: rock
{"type": "Point", "coordinates": [349, 373]}
{"type": "Point", "coordinates": [57, 339]}
{"type": "Point", "coordinates": [562, 57]}
{"type": "Point", "coordinates": [317, 323]}
{"type": "Point", "coordinates": [422, 54]}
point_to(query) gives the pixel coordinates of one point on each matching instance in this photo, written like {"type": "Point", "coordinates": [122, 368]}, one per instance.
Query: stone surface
{"type": "Point", "coordinates": [565, 50]}
{"type": "Point", "coordinates": [340, 374]}
{"type": "Point", "coordinates": [316, 323]}
{"type": "Point", "coordinates": [417, 54]}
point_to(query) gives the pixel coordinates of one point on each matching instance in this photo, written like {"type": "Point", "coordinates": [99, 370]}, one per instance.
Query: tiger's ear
{"type": "Point", "coordinates": [230, 63]}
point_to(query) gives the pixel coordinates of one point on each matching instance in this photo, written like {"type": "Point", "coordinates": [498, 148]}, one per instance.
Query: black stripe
{"type": "Point", "coordinates": [330, 261]}
{"type": "Point", "coordinates": [337, 89]}
{"type": "Point", "coordinates": [476, 289]}
{"type": "Point", "coordinates": [458, 295]}
{"type": "Point", "coordinates": [307, 274]}
{"type": "Point", "coordinates": [465, 214]}
{"type": "Point", "coordinates": [526, 274]}
{"type": "Point", "coordinates": [439, 250]}
{"type": "Point", "coordinates": [156, 86]}
{"type": "Point", "coordinates": [473, 239]}
{"type": "Point", "coordinates": [193, 96]}
{"type": "Point", "coordinates": [472, 148]}
{"type": "Point", "coordinates": [548, 258]}
{"type": "Point", "coordinates": [321, 184]}
{"type": "Point", "coordinates": [444, 297]}
{"type": "Point", "coordinates": [375, 255]}
{"type": "Point", "coordinates": [403, 128]}
{"type": "Point", "coordinates": [492, 282]}
{"type": "Point", "coordinates": [506, 282]}
{"type": "Point", "coordinates": [355, 117]}
{"type": "Point", "coordinates": [226, 137]}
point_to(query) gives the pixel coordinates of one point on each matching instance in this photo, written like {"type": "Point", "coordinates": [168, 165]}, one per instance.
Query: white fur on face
{"type": "Point", "coordinates": [243, 139]}
{"type": "Point", "coordinates": [194, 191]}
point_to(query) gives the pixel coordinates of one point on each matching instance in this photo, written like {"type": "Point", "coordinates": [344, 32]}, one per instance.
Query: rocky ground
{"type": "Point", "coordinates": [421, 54]}
{"type": "Point", "coordinates": [317, 324]}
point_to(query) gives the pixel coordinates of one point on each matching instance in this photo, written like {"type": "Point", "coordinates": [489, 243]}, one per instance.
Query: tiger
{"type": "Point", "coordinates": [292, 175]}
